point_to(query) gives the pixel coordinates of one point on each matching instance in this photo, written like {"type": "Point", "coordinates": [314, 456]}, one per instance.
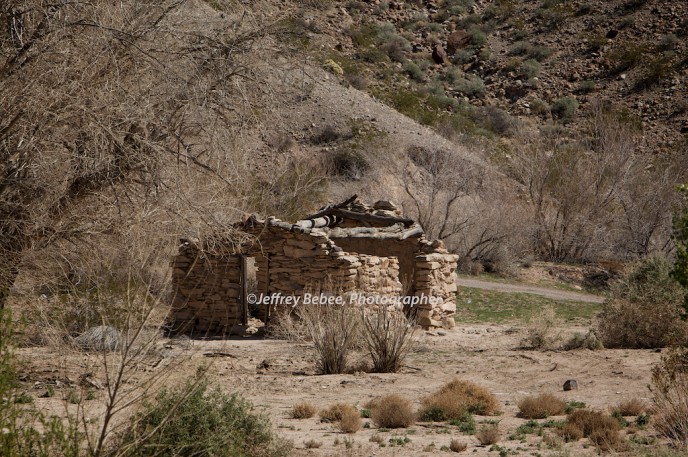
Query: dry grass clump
{"type": "Point", "coordinates": [570, 432]}
{"type": "Point", "coordinates": [541, 331]}
{"type": "Point", "coordinates": [392, 411]}
{"type": "Point", "coordinates": [488, 434]}
{"type": "Point", "coordinates": [457, 446]}
{"type": "Point", "coordinates": [456, 398]}
{"type": "Point", "coordinates": [350, 421]}
{"type": "Point", "coordinates": [540, 406]}
{"type": "Point", "coordinates": [632, 407]}
{"type": "Point", "coordinates": [312, 444]}
{"type": "Point", "coordinates": [347, 415]}
{"type": "Point", "coordinates": [601, 429]}
{"type": "Point", "coordinates": [334, 413]}
{"type": "Point", "coordinates": [303, 410]}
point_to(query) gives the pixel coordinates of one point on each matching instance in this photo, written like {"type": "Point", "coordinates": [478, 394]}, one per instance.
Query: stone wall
{"type": "Point", "coordinates": [207, 291]}
{"type": "Point", "coordinates": [404, 250]}
{"type": "Point", "coordinates": [291, 261]}
{"type": "Point", "coordinates": [435, 276]}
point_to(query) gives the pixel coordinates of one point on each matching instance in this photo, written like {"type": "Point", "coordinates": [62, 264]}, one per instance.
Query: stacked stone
{"type": "Point", "coordinates": [207, 291]}
{"type": "Point", "coordinates": [435, 276]}
{"type": "Point", "coordinates": [378, 275]}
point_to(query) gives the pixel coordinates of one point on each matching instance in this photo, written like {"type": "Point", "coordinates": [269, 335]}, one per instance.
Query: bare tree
{"type": "Point", "coordinates": [99, 100]}
{"type": "Point", "coordinates": [574, 190]}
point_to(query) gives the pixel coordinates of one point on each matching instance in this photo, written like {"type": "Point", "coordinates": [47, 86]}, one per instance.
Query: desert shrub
{"type": "Point", "coordinates": [350, 420]}
{"type": "Point", "coordinates": [477, 36]}
{"type": "Point", "coordinates": [333, 330]}
{"type": "Point", "coordinates": [26, 431]}
{"type": "Point", "coordinates": [585, 87]}
{"type": "Point", "coordinates": [564, 109]}
{"type": "Point", "coordinates": [541, 329]}
{"type": "Point", "coordinates": [455, 399]}
{"type": "Point", "coordinates": [632, 407]}
{"type": "Point", "coordinates": [583, 341]}
{"type": "Point", "coordinates": [388, 335]}
{"type": "Point", "coordinates": [488, 434]}
{"type": "Point", "coordinates": [357, 81]}
{"type": "Point", "coordinates": [570, 432]}
{"type": "Point", "coordinates": [626, 57]}
{"type": "Point", "coordinates": [312, 444]}
{"type": "Point", "coordinates": [329, 134]}
{"type": "Point", "coordinates": [470, 86]}
{"type": "Point", "coordinates": [644, 309]}
{"type": "Point", "coordinates": [669, 387]}
{"type": "Point", "coordinates": [392, 411]}
{"type": "Point", "coordinates": [465, 423]}
{"type": "Point", "coordinates": [413, 71]}
{"type": "Point", "coordinates": [540, 406]}
{"type": "Point", "coordinates": [498, 120]}
{"type": "Point", "coordinates": [601, 429]}
{"type": "Point", "coordinates": [530, 68]}
{"type": "Point", "coordinates": [457, 446]}
{"type": "Point", "coordinates": [655, 69]}
{"type": "Point", "coordinates": [350, 163]}
{"type": "Point", "coordinates": [303, 410]}
{"type": "Point", "coordinates": [196, 420]}
{"type": "Point", "coordinates": [520, 48]}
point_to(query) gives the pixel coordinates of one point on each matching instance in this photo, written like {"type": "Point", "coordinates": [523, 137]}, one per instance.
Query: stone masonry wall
{"type": "Point", "coordinates": [206, 291]}
{"type": "Point", "coordinates": [435, 275]}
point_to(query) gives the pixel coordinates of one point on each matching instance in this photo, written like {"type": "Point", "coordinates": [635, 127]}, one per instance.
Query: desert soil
{"type": "Point", "coordinates": [275, 374]}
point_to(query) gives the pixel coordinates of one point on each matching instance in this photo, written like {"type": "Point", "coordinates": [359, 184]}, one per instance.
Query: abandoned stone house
{"type": "Point", "coordinates": [348, 247]}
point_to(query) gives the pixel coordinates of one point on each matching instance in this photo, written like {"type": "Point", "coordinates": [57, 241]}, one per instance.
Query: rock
{"type": "Point", "coordinates": [456, 40]}
{"type": "Point", "coordinates": [439, 55]}
{"type": "Point", "coordinates": [570, 384]}
{"type": "Point", "coordinates": [612, 34]}
{"type": "Point", "coordinates": [101, 338]}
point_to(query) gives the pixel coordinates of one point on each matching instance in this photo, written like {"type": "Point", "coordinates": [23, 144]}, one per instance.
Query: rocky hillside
{"type": "Point", "coordinates": [544, 61]}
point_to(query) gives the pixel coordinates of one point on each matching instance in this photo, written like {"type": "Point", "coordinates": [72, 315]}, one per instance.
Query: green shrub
{"type": "Point", "coordinates": [644, 308]}
{"type": "Point", "coordinates": [585, 87]}
{"type": "Point", "coordinates": [529, 69]}
{"type": "Point", "coordinates": [413, 70]}
{"type": "Point", "coordinates": [626, 57]}
{"type": "Point", "coordinates": [565, 109]}
{"type": "Point", "coordinates": [195, 420]}
{"type": "Point", "coordinates": [477, 36]}
{"type": "Point", "coordinates": [470, 86]}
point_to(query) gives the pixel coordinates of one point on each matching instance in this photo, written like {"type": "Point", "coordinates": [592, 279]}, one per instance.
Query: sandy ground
{"type": "Point", "coordinates": [275, 374]}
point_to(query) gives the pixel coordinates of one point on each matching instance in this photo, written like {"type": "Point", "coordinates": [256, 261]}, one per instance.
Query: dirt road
{"type": "Point", "coordinates": [554, 294]}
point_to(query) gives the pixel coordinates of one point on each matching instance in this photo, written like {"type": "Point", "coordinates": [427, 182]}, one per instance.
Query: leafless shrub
{"type": "Point", "coordinates": [347, 416]}
{"type": "Point", "coordinates": [540, 406]}
{"type": "Point", "coordinates": [457, 446]}
{"type": "Point", "coordinates": [601, 429]}
{"type": "Point", "coordinates": [541, 331]}
{"type": "Point", "coordinates": [388, 336]}
{"type": "Point", "coordinates": [488, 434]}
{"type": "Point", "coordinates": [333, 330]}
{"type": "Point", "coordinates": [350, 421]}
{"type": "Point", "coordinates": [303, 410]}
{"type": "Point", "coordinates": [670, 396]}
{"type": "Point", "coordinates": [392, 411]}
{"type": "Point", "coordinates": [632, 407]}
